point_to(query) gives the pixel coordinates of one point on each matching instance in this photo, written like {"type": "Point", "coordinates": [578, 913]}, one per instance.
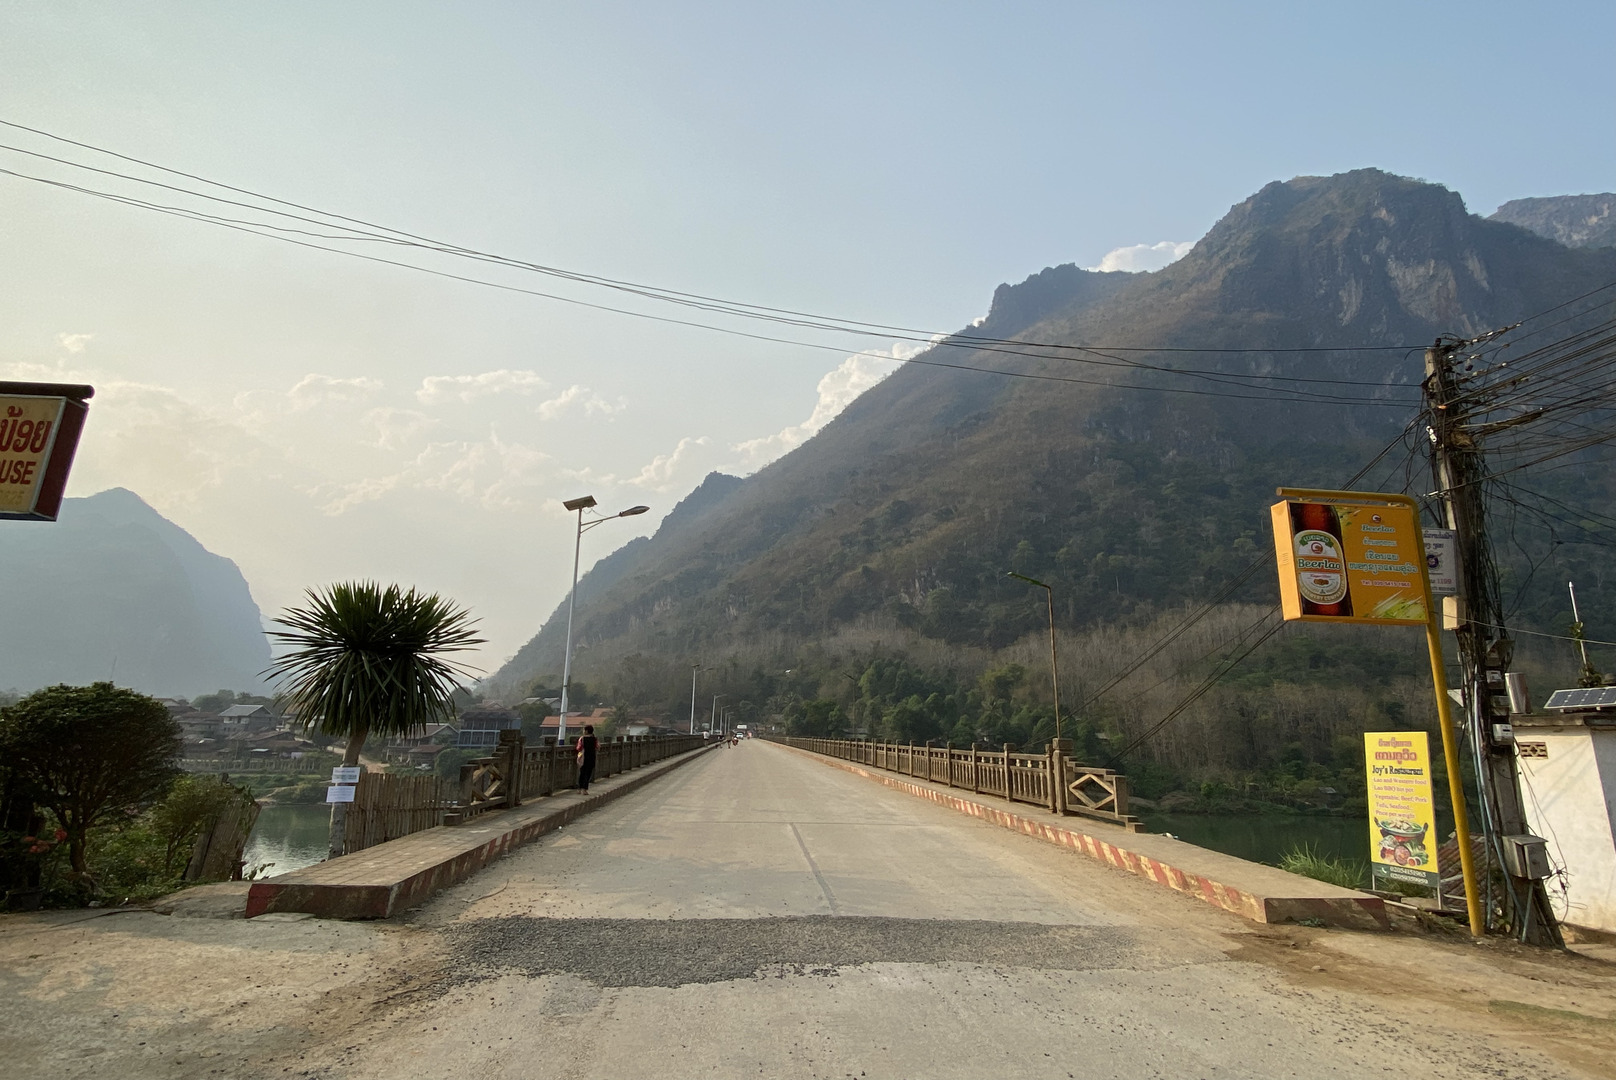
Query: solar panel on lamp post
{"type": "Point", "coordinates": [580, 505]}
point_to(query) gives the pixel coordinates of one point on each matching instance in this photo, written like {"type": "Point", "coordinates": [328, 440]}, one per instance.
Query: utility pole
{"type": "Point", "coordinates": [1475, 617]}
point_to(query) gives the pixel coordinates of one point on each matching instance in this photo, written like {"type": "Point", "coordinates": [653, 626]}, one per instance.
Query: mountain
{"type": "Point", "coordinates": [1131, 477]}
{"type": "Point", "coordinates": [1573, 220]}
{"type": "Point", "coordinates": [113, 590]}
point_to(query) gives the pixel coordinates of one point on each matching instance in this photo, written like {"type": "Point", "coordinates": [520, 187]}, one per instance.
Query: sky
{"type": "Point", "coordinates": [318, 417]}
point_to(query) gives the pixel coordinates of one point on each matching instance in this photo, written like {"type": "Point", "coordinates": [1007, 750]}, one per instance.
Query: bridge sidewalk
{"type": "Point", "coordinates": [1261, 893]}
{"type": "Point", "coordinates": [378, 882]}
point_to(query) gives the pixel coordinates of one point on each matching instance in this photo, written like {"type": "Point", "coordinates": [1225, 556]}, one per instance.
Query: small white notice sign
{"type": "Point", "coordinates": [340, 793]}
{"type": "Point", "coordinates": [1442, 562]}
{"type": "Point", "coordinates": [346, 775]}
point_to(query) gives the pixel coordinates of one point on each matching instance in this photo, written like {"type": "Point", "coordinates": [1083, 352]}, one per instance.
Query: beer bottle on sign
{"type": "Point", "coordinates": [1321, 564]}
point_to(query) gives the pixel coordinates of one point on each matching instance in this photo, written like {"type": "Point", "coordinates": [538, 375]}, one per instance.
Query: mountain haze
{"type": "Point", "coordinates": [1573, 220]}
{"type": "Point", "coordinates": [1130, 488]}
{"type": "Point", "coordinates": [113, 590]}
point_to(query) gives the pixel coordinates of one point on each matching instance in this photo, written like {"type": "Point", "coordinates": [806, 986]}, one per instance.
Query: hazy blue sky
{"type": "Point", "coordinates": [314, 417]}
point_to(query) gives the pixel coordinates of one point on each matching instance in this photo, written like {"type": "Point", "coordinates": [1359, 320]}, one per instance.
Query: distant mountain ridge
{"type": "Point", "coordinates": [1129, 479]}
{"type": "Point", "coordinates": [113, 590]}
{"type": "Point", "coordinates": [1573, 220]}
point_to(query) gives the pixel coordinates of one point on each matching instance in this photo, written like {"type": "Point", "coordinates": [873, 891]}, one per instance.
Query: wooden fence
{"type": "Point", "coordinates": [1052, 780]}
{"type": "Point", "coordinates": [387, 806]}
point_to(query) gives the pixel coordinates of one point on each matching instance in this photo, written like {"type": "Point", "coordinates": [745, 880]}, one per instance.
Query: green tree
{"type": "Point", "coordinates": [89, 752]}
{"type": "Point", "coordinates": [450, 758]}
{"type": "Point", "coordinates": [369, 659]}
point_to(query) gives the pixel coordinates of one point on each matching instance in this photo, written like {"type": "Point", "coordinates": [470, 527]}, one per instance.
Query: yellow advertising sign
{"type": "Point", "coordinates": [1402, 814]}
{"type": "Point", "coordinates": [28, 429]}
{"type": "Point", "coordinates": [1350, 562]}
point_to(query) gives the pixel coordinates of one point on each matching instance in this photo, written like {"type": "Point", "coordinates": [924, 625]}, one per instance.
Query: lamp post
{"type": "Point", "coordinates": [580, 505]}
{"type": "Point", "coordinates": [693, 669]}
{"type": "Point", "coordinates": [1054, 665]}
{"type": "Point", "coordinates": [714, 719]}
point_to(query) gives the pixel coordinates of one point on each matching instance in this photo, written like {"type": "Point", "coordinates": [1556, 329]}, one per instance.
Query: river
{"type": "Point", "coordinates": [290, 835]}
{"type": "Point", "coordinates": [1266, 837]}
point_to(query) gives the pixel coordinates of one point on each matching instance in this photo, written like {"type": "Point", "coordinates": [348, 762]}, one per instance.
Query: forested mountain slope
{"type": "Point", "coordinates": [1131, 480]}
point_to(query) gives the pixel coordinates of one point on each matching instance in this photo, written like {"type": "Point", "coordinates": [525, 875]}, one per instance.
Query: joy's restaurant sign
{"type": "Point", "coordinates": [39, 432]}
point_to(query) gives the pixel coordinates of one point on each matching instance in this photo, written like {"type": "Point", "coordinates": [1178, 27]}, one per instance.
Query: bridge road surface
{"type": "Point", "coordinates": [759, 913]}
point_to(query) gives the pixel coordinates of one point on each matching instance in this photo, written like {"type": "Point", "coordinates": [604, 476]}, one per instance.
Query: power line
{"type": "Point", "coordinates": [386, 234]}
{"type": "Point", "coordinates": [253, 228]}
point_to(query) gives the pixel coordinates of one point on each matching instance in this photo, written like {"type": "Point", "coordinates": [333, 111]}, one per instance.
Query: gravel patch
{"type": "Point", "coordinates": [653, 952]}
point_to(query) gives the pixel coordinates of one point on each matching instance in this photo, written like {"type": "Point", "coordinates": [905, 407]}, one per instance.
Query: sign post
{"type": "Point", "coordinates": [1358, 557]}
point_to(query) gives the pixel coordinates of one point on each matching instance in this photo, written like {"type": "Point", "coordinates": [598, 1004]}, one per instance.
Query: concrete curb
{"type": "Point", "coordinates": [381, 881]}
{"type": "Point", "coordinates": [1306, 899]}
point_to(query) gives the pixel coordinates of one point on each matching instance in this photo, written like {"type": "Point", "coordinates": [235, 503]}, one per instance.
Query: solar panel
{"type": "Point", "coordinates": [1596, 697]}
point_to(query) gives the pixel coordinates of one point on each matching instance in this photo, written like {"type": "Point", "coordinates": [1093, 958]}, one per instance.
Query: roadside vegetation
{"type": "Point", "coordinates": [1307, 860]}
{"type": "Point", "coordinates": [93, 807]}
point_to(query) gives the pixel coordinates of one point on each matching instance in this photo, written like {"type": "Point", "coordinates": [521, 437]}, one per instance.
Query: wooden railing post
{"type": "Point", "coordinates": [509, 756]}
{"type": "Point", "coordinates": [1057, 775]}
{"type": "Point", "coordinates": [976, 774]}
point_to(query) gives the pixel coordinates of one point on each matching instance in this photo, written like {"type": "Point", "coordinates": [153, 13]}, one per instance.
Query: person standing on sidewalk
{"type": "Point", "coordinates": [587, 747]}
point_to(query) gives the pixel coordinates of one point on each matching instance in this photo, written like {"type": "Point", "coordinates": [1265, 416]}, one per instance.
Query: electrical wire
{"type": "Point", "coordinates": [371, 232]}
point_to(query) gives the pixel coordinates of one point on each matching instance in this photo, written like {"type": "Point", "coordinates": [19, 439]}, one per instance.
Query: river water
{"type": "Point", "coordinates": [291, 836]}
{"type": "Point", "coordinates": [1265, 838]}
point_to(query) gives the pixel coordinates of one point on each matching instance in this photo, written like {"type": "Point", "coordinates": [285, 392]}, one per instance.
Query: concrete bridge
{"type": "Point", "coordinates": [763, 912]}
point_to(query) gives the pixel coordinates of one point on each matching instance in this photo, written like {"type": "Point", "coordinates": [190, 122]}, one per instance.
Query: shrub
{"type": "Point", "coordinates": [1307, 860]}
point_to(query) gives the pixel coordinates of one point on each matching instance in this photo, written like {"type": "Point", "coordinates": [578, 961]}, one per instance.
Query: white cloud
{"type": "Point", "coordinates": [315, 389]}
{"type": "Point", "coordinates": [170, 450]}
{"type": "Point", "coordinates": [837, 390]}
{"type": "Point", "coordinates": [660, 473]}
{"type": "Point", "coordinates": [1141, 257]}
{"type": "Point", "coordinates": [490, 473]}
{"type": "Point", "coordinates": [73, 343]}
{"type": "Point", "coordinates": [467, 388]}
{"type": "Point", "coordinates": [583, 397]}
{"type": "Point", "coordinates": [393, 428]}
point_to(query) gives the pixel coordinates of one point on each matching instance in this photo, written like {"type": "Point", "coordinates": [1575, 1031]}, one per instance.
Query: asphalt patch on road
{"type": "Point", "coordinates": [651, 952]}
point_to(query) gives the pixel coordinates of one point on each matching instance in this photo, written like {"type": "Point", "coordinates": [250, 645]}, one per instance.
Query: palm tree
{"type": "Point", "coordinates": [367, 660]}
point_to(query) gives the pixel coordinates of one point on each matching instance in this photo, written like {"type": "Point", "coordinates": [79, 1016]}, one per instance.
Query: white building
{"type": "Point", "coordinates": [1568, 776]}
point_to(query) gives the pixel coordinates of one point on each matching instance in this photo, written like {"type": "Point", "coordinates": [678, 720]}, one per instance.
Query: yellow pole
{"type": "Point", "coordinates": [1450, 754]}
{"type": "Point", "coordinates": [1439, 679]}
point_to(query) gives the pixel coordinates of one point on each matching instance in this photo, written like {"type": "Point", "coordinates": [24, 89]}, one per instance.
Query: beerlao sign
{"type": "Point", "coordinates": [1350, 562]}
{"type": "Point", "coordinates": [40, 425]}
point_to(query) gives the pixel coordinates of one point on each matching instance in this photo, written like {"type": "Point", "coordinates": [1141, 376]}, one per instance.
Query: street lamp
{"type": "Point", "coordinates": [579, 505]}
{"type": "Point", "coordinates": [714, 719]}
{"type": "Point", "coordinates": [1054, 665]}
{"type": "Point", "coordinates": [693, 669]}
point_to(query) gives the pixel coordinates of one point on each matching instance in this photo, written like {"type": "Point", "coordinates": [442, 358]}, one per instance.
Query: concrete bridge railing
{"type": "Point", "coordinates": [1052, 780]}
{"type": "Point", "coordinates": [387, 806]}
